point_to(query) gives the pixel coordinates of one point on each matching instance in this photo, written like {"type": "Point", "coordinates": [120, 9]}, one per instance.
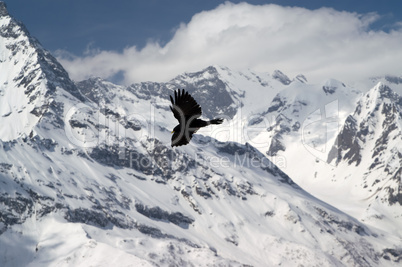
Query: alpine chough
{"type": "Point", "coordinates": [187, 111]}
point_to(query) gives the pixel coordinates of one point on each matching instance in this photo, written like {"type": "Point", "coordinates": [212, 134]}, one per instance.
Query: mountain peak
{"type": "Point", "coordinates": [382, 93]}
{"type": "Point", "coordinates": [380, 86]}
{"type": "Point", "coordinates": [374, 112]}
{"type": "Point", "coordinates": [331, 85]}
{"type": "Point", "coordinates": [3, 9]}
{"type": "Point", "coordinates": [301, 78]}
{"type": "Point", "coordinates": [385, 91]}
{"type": "Point", "coordinates": [30, 78]}
{"type": "Point", "coordinates": [280, 76]}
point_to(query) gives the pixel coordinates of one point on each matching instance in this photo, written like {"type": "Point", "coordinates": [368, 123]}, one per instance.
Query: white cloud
{"type": "Point", "coordinates": [320, 44]}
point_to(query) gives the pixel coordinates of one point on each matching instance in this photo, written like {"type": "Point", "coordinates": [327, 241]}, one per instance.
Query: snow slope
{"type": "Point", "coordinates": [26, 69]}
{"type": "Point", "coordinates": [369, 145]}
{"type": "Point", "coordinates": [350, 141]}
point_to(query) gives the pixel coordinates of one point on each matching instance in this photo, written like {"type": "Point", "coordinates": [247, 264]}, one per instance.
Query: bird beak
{"type": "Point", "coordinates": [172, 132]}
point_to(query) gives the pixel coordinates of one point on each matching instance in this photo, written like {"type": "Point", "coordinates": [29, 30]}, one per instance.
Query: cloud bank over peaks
{"type": "Point", "coordinates": [322, 43]}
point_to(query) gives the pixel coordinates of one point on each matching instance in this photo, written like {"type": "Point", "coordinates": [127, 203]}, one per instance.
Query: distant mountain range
{"type": "Point", "coordinates": [298, 174]}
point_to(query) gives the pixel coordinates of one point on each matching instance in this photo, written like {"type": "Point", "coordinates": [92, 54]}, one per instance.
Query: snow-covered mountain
{"type": "Point", "coordinates": [349, 138]}
{"type": "Point", "coordinates": [29, 78]}
{"type": "Point", "coordinates": [307, 114]}
{"type": "Point", "coordinates": [369, 145]}
{"type": "Point", "coordinates": [88, 176]}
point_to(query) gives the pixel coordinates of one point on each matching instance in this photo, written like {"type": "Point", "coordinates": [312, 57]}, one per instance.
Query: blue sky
{"type": "Point", "coordinates": [87, 32]}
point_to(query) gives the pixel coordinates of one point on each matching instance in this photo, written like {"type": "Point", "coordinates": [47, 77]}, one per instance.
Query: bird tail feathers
{"type": "Point", "coordinates": [216, 121]}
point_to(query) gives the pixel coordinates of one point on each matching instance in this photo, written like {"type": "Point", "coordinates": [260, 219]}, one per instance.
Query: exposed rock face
{"type": "Point", "coordinates": [280, 76]}
{"type": "Point", "coordinates": [30, 82]}
{"type": "Point", "coordinates": [3, 9]}
{"type": "Point", "coordinates": [371, 137]}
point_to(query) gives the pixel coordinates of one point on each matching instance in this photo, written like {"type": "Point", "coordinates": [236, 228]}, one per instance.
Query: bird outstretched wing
{"type": "Point", "coordinates": [184, 107]}
{"type": "Point", "coordinates": [182, 138]}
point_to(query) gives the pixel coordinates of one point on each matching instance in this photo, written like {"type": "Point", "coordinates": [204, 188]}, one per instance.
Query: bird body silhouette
{"type": "Point", "coordinates": [187, 111]}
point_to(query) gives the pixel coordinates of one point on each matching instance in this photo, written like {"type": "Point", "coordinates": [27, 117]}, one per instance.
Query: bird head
{"type": "Point", "coordinates": [177, 129]}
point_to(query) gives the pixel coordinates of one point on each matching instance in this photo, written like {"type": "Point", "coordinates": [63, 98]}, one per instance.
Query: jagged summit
{"type": "Point", "coordinates": [301, 78]}
{"type": "Point", "coordinates": [370, 143]}
{"type": "Point", "coordinates": [331, 85]}
{"type": "Point", "coordinates": [30, 80]}
{"type": "Point", "coordinates": [383, 91]}
{"type": "Point", "coordinates": [376, 118]}
{"type": "Point", "coordinates": [15, 31]}
{"type": "Point", "coordinates": [350, 140]}
{"type": "Point", "coordinates": [280, 76]}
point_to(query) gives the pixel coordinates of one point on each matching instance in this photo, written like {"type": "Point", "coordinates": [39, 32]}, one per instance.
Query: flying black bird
{"type": "Point", "coordinates": [187, 111]}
